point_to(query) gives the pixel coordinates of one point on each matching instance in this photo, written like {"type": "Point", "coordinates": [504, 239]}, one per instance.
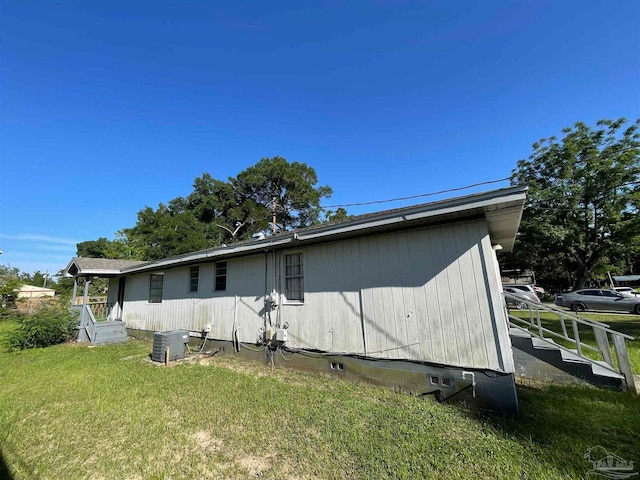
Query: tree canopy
{"type": "Point", "coordinates": [218, 212]}
{"type": "Point", "coordinates": [581, 218]}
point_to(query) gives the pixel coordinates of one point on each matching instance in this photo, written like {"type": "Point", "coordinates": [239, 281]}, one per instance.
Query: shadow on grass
{"type": "Point", "coordinates": [5, 474]}
{"type": "Point", "coordinates": [560, 423]}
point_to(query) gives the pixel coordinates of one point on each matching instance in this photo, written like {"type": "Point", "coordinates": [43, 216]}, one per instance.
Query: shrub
{"type": "Point", "coordinates": [48, 326]}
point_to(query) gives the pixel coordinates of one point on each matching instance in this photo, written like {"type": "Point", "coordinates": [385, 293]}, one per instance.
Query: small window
{"type": "Point", "coordinates": [194, 276]}
{"type": "Point", "coordinates": [221, 276]}
{"type": "Point", "coordinates": [294, 277]}
{"type": "Point", "coordinates": [155, 288]}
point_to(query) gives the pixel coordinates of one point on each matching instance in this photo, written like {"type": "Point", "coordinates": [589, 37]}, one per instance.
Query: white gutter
{"type": "Point", "coordinates": [220, 252]}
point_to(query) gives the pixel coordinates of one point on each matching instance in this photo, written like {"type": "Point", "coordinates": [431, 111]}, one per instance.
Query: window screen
{"type": "Point", "coordinates": [194, 276]}
{"type": "Point", "coordinates": [221, 276]}
{"type": "Point", "coordinates": [294, 277]}
{"type": "Point", "coordinates": [155, 288]}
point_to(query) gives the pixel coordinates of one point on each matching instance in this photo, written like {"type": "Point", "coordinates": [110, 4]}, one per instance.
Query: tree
{"type": "Point", "coordinates": [218, 212]}
{"type": "Point", "coordinates": [292, 186]}
{"type": "Point", "coordinates": [165, 232]}
{"type": "Point", "coordinates": [338, 215]}
{"type": "Point", "coordinates": [9, 282]}
{"type": "Point", "coordinates": [581, 217]}
{"type": "Point", "coordinates": [218, 203]}
{"type": "Point", "coordinates": [93, 248]}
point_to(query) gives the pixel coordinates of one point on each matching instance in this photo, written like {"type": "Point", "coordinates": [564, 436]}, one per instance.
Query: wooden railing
{"type": "Point", "coordinates": [99, 306]}
{"type": "Point", "coordinates": [87, 326]}
{"type": "Point", "coordinates": [570, 333]}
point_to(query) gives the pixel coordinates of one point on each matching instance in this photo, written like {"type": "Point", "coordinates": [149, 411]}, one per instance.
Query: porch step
{"type": "Point", "coordinates": [543, 359]}
{"type": "Point", "coordinates": [113, 331]}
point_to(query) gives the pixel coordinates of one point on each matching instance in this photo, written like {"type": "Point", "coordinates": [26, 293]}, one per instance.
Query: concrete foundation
{"type": "Point", "coordinates": [479, 388]}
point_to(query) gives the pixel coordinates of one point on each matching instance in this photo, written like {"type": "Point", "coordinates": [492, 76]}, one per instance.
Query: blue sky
{"type": "Point", "coordinates": [106, 107]}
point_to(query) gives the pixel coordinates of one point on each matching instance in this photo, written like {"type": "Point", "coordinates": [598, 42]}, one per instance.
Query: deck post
{"type": "Point", "coordinates": [623, 360]}
{"type": "Point", "coordinates": [82, 334]}
{"type": "Point", "coordinates": [603, 345]}
{"type": "Point", "coordinates": [75, 291]}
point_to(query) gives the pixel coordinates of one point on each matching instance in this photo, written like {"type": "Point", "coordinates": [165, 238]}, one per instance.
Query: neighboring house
{"type": "Point", "coordinates": [409, 298]}
{"type": "Point", "coordinates": [627, 280]}
{"type": "Point", "coordinates": [31, 291]}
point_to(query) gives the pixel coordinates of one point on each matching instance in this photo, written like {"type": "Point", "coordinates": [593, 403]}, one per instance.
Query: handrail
{"type": "Point", "coordinates": [551, 332]}
{"type": "Point", "coordinates": [601, 332]}
{"type": "Point", "coordinates": [101, 309]}
{"type": "Point", "coordinates": [561, 347]}
{"type": "Point", "coordinates": [564, 313]}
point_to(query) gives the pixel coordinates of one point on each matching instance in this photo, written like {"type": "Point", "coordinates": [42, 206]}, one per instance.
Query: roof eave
{"type": "Point", "coordinates": [502, 209]}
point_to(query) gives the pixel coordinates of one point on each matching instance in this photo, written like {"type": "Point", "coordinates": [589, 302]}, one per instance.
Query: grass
{"type": "Point", "coordinates": [76, 412]}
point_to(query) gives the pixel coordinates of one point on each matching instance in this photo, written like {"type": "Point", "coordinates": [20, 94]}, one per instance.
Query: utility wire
{"type": "Point", "coordinates": [419, 195]}
{"type": "Point", "coordinates": [457, 189]}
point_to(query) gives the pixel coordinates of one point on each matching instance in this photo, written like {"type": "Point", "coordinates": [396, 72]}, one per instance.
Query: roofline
{"type": "Point", "coordinates": [102, 272]}
{"type": "Point", "coordinates": [371, 222]}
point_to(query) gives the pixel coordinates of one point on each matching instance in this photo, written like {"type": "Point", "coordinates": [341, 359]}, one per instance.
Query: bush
{"type": "Point", "coordinates": [48, 326]}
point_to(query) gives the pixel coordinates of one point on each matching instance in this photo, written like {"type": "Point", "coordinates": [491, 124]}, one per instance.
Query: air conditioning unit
{"type": "Point", "coordinates": [174, 339]}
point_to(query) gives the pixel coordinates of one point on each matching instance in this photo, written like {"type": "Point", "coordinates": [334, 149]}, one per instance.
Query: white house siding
{"type": "Point", "coordinates": [181, 309]}
{"type": "Point", "coordinates": [112, 294]}
{"type": "Point", "coordinates": [421, 295]}
{"type": "Point", "coordinates": [430, 294]}
{"type": "Point", "coordinates": [112, 298]}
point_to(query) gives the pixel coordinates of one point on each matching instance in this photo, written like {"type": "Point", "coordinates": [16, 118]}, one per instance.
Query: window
{"type": "Point", "coordinates": [294, 277]}
{"type": "Point", "coordinates": [155, 288]}
{"type": "Point", "coordinates": [221, 276]}
{"type": "Point", "coordinates": [608, 293]}
{"type": "Point", "coordinates": [592, 293]}
{"type": "Point", "coordinates": [194, 275]}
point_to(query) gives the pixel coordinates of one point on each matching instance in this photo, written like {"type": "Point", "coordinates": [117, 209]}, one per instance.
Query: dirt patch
{"type": "Point", "coordinates": [206, 442]}
{"type": "Point", "coordinates": [256, 465]}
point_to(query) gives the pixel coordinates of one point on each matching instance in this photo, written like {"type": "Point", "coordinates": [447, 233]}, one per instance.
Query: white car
{"type": "Point", "coordinates": [626, 291]}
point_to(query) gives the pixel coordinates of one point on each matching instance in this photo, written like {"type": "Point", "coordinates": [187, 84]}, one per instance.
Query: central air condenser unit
{"type": "Point", "coordinates": [174, 339]}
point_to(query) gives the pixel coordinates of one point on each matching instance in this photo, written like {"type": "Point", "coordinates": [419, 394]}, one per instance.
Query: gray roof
{"type": "Point", "coordinates": [102, 267]}
{"type": "Point", "coordinates": [501, 208]}
{"type": "Point", "coordinates": [626, 278]}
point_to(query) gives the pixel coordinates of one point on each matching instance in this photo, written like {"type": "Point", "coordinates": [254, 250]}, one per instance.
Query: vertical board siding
{"type": "Point", "coordinates": [192, 311]}
{"type": "Point", "coordinates": [428, 294]}
{"type": "Point", "coordinates": [112, 293]}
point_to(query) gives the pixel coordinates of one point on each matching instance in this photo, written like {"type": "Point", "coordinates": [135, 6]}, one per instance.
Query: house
{"type": "Point", "coordinates": [409, 298]}
{"type": "Point", "coordinates": [31, 291]}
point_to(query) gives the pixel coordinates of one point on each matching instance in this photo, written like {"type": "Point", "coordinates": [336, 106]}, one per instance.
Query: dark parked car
{"type": "Point", "coordinates": [598, 299]}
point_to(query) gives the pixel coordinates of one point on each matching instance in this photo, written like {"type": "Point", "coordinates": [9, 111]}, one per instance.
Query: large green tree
{"type": "Point", "coordinates": [165, 232]}
{"type": "Point", "coordinates": [581, 217]}
{"type": "Point", "coordinates": [218, 212]}
{"type": "Point", "coordinates": [291, 186]}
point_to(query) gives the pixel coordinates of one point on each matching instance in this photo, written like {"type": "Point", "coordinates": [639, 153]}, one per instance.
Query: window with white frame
{"type": "Point", "coordinates": [194, 277]}
{"type": "Point", "coordinates": [155, 288]}
{"type": "Point", "coordinates": [294, 277]}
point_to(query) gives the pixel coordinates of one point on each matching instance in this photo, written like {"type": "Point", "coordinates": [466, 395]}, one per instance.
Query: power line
{"type": "Point", "coordinates": [418, 196]}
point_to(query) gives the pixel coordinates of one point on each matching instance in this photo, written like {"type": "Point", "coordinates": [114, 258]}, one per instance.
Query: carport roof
{"type": "Point", "coordinates": [100, 267]}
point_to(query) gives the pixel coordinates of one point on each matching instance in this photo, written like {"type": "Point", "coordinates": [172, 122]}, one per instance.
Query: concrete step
{"type": "Point", "coordinates": [548, 353]}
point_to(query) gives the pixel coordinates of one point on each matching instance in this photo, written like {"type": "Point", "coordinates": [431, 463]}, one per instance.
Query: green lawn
{"type": "Point", "coordinates": [76, 412]}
